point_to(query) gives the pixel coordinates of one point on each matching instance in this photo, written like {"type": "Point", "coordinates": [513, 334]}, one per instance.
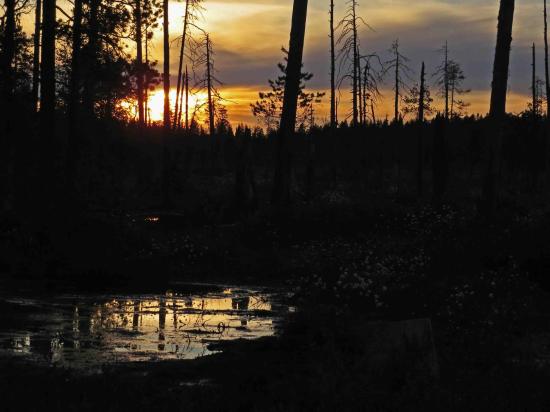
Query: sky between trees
{"type": "Point", "coordinates": [248, 35]}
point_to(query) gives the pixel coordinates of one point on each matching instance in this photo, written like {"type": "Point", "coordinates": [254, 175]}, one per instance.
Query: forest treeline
{"type": "Point", "coordinates": [77, 131]}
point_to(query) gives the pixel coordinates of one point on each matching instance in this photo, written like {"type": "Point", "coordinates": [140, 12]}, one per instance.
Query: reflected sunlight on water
{"type": "Point", "coordinates": [83, 331]}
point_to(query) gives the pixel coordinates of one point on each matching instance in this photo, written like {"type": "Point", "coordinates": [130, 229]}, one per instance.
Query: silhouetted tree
{"type": "Point", "coordinates": [399, 65]}
{"type": "Point", "coordinates": [191, 6]}
{"type": "Point", "coordinates": [497, 111]}
{"type": "Point", "coordinates": [455, 78]}
{"type": "Point", "coordinates": [209, 87]}
{"type": "Point", "coordinates": [139, 62]}
{"type": "Point", "coordinates": [443, 78]}
{"type": "Point", "coordinates": [36, 53]}
{"type": "Point", "coordinates": [281, 183]}
{"type": "Point", "coordinates": [74, 101]}
{"type": "Point", "coordinates": [166, 63]}
{"type": "Point", "coordinates": [269, 108]}
{"type": "Point", "coordinates": [349, 55]}
{"type": "Point", "coordinates": [333, 119]}
{"type": "Point", "coordinates": [546, 68]}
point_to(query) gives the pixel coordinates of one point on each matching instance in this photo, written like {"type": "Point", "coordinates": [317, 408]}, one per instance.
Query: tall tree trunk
{"type": "Point", "coordinates": [166, 77]}
{"type": "Point", "coordinates": [166, 123]}
{"type": "Point", "coordinates": [281, 184]}
{"type": "Point", "coordinates": [332, 69]}
{"type": "Point", "coordinates": [546, 68]}
{"type": "Point", "coordinates": [446, 80]}
{"type": "Point", "coordinates": [177, 110]}
{"type": "Point", "coordinates": [365, 80]}
{"type": "Point", "coordinates": [497, 109]}
{"type": "Point", "coordinates": [355, 69]}
{"type": "Point", "coordinates": [6, 102]}
{"type": "Point", "coordinates": [211, 126]}
{"type": "Point", "coordinates": [186, 98]}
{"type": "Point", "coordinates": [47, 69]}
{"type": "Point", "coordinates": [36, 54]}
{"type": "Point", "coordinates": [421, 99]}
{"type": "Point", "coordinates": [139, 62]}
{"type": "Point", "coordinates": [396, 98]}
{"type": "Point", "coordinates": [534, 104]}
{"type": "Point", "coordinates": [74, 102]}
{"type": "Point", "coordinates": [47, 159]}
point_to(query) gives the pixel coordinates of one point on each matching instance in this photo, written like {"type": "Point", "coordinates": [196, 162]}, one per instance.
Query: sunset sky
{"type": "Point", "coordinates": [248, 35]}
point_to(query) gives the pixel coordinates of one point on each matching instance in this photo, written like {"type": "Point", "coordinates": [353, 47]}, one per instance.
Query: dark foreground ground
{"type": "Point", "coordinates": [482, 283]}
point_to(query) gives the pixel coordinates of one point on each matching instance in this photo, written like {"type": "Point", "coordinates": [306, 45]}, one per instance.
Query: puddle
{"type": "Point", "coordinates": [89, 331]}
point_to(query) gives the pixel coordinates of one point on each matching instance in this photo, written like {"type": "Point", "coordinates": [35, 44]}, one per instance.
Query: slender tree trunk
{"type": "Point", "coordinates": [74, 102]}
{"type": "Point", "coordinates": [36, 54]}
{"type": "Point", "coordinates": [211, 126]}
{"type": "Point", "coordinates": [332, 69]}
{"type": "Point", "coordinates": [47, 158]}
{"type": "Point", "coordinates": [446, 80]}
{"type": "Point", "coordinates": [396, 101]}
{"type": "Point", "coordinates": [7, 57]}
{"type": "Point", "coordinates": [497, 111]}
{"type": "Point", "coordinates": [166, 77]}
{"type": "Point", "coordinates": [139, 62]}
{"type": "Point", "coordinates": [355, 69]}
{"type": "Point", "coordinates": [421, 100]}
{"type": "Point", "coordinates": [281, 184]}
{"type": "Point", "coordinates": [534, 104]}
{"type": "Point", "coordinates": [365, 80]}
{"type": "Point", "coordinates": [359, 88]}
{"type": "Point", "coordinates": [166, 123]}
{"type": "Point", "coordinates": [180, 66]}
{"type": "Point", "coordinates": [6, 103]}
{"type": "Point", "coordinates": [186, 99]}
{"type": "Point", "coordinates": [47, 69]}
{"type": "Point", "coordinates": [146, 79]}
{"type": "Point", "coordinates": [546, 69]}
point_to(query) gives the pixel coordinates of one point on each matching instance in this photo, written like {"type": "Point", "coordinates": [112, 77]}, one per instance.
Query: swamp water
{"type": "Point", "coordinates": [87, 331]}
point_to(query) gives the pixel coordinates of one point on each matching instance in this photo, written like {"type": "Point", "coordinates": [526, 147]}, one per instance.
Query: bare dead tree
{"type": "Point", "coordinates": [398, 64]}
{"type": "Point", "coordinates": [190, 15]}
{"type": "Point", "coordinates": [349, 56]}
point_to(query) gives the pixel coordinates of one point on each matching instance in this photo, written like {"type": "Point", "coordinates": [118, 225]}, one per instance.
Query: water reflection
{"type": "Point", "coordinates": [79, 331]}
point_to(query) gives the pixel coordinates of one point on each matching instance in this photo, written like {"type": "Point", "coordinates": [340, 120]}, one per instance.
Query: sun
{"type": "Point", "coordinates": [155, 104]}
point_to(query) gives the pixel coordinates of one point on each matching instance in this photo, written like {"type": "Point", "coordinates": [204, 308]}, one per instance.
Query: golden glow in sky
{"type": "Point", "coordinates": [248, 34]}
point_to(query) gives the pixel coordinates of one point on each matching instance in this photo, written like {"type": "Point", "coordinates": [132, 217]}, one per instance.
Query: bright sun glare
{"type": "Point", "coordinates": [156, 104]}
